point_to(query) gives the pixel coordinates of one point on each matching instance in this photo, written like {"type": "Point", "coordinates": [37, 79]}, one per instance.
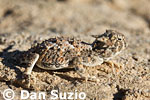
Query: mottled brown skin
{"type": "Point", "coordinates": [58, 53]}
{"type": "Point", "coordinates": [62, 52]}
{"type": "Point", "coordinates": [109, 44]}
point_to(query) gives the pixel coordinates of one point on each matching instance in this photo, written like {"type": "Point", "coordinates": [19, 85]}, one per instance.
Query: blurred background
{"type": "Point", "coordinates": [40, 19]}
{"type": "Point", "coordinates": [25, 22]}
{"type": "Point", "coordinates": [73, 16]}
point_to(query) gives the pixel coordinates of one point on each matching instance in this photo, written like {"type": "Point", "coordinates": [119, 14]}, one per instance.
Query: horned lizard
{"type": "Point", "coordinates": [64, 52]}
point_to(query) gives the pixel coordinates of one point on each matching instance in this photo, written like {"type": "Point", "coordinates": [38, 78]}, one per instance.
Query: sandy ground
{"type": "Point", "coordinates": [24, 22]}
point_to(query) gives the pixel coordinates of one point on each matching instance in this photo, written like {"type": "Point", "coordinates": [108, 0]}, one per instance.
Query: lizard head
{"type": "Point", "coordinates": [109, 44]}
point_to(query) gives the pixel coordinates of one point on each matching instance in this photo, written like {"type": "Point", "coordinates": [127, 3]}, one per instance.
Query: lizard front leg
{"type": "Point", "coordinates": [81, 71]}
{"type": "Point", "coordinates": [114, 66]}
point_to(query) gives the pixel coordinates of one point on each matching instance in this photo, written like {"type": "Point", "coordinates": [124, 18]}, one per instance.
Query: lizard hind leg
{"type": "Point", "coordinates": [32, 59]}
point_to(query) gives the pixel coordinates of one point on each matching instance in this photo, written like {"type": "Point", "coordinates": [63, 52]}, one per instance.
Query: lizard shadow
{"type": "Point", "coordinates": [69, 78]}
{"type": "Point", "coordinates": [7, 60]}
{"type": "Point", "coordinates": [60, 73]}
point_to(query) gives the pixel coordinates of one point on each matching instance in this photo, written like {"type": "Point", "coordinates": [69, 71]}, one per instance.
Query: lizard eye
{"type": "Point", "coordinates": [119, 38]}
